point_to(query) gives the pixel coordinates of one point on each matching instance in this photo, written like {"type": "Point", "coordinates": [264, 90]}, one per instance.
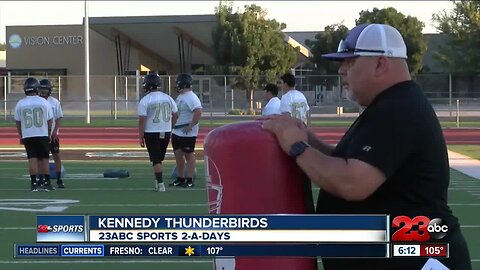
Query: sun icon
{"type": "Point", "coordinates": [189, 251]}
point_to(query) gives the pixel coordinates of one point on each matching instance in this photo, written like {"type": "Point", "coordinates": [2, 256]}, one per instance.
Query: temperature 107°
{"type": "Point", "coordinates": [214, 250]}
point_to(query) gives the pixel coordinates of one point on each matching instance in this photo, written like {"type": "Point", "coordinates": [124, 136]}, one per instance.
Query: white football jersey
{"type": "Point", "coordinates": [158, 108]}
{"type": "Point", "coordinates": [187, 102]}
{"type": "Point", "coordinates": [295, 103]}
{"type": "Point", "coordinates": [56, 110]}
{"type": "Point", "coordinates": [272, 107]}
{"type": "Point", "coordinates": [33, 112]}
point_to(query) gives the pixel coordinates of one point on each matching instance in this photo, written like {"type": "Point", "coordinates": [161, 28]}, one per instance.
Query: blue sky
{"type": "Point", "coordinates": [298, 15]}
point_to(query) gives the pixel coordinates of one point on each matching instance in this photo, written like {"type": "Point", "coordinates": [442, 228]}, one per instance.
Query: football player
{"type": "Point", "coordinates": [45, 91]}
{"type": "Point", "coordinates": [33, 117]}
{"type": "Point", "coordinates": [156, 111]}
{"type": "Point", "coordinates": [293, 102]}
{"type": "Point", "coordinates": [185, 131]}
{"type": "Point", "coordinates": [273, 102]}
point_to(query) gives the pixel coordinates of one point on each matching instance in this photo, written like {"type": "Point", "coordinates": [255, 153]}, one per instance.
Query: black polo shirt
{"type": "Point", "coordinates": [399, 134]}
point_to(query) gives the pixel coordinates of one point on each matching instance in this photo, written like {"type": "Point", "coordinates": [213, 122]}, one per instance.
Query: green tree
{"type": "Point", "coordinates": [462, 25]}
{"type": "Point", "coordinates": [3, 47]}
{"type": "Point", "coordinates": [326, 42]}
{"type": "Point", "coordinates": [251, 46]}
{"type": "Point", "coordinates": [410, 28]}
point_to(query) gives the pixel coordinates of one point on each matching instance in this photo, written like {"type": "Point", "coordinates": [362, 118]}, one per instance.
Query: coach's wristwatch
{"type": "Point", "coordinates": [298, 148]}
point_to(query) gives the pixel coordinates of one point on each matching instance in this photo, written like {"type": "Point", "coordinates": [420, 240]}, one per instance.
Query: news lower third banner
{"type": "Point", "coordinates": [221, 235]}
{"type": "Point", "coordinates": [215, 229]}
{"type": "Point", "coordinates": [328, 250]}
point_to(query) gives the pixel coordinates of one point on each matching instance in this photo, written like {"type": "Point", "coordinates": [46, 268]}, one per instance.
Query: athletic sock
{"type": "Point", "coordinates": [47, 179]}
{"type": "Point", "coordinates": [159, 177]}
{"type": "Point", "coordinates": [33, 179]}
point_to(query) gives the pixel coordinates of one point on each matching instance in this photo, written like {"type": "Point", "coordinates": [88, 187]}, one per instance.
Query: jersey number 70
{"type": "Point", "coordinates": [162, 111]}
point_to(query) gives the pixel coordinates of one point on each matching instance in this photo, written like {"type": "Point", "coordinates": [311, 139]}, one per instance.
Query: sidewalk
{"type": "Point", "coordinates": [464, 164]}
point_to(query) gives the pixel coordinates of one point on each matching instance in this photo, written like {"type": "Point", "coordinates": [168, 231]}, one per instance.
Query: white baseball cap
{"type": "Point", "coordinates": [370, 40]}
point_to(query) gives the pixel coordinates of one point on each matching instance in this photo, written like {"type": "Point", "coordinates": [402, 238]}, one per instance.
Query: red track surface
{"type": "Point", "coordinates": [128, 136]}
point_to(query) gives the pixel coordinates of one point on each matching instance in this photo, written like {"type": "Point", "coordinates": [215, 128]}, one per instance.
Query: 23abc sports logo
{"type": "Point", "coordinates": [60, 228]}
{"type": "Point", "coordinates": [418, 229]}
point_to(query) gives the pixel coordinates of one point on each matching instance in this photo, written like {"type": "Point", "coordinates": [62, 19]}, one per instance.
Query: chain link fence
{"type": "Point", "coordinates": [117, 96]}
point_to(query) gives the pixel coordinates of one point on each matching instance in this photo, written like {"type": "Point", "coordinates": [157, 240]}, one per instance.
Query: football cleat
{"type": "Point", "coordinates": [48, 187]}
{"type": "Point", "coordinates": [177, 183]}
{"type": "Point", "coordinates": [33, 187]}
{"type": "Point", "coordinates": [189, 183]}
{"type": "Point", "coordinates": [60, 184]}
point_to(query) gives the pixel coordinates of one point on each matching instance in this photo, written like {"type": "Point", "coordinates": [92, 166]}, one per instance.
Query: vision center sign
{"type": "Point", "coordinates": [16, 41]}
{"type": "Point", "coordinates": [52, 40]}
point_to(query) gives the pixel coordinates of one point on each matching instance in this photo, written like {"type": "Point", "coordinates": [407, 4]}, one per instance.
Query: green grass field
{"type": "Point", "coordinates": [135, 195]}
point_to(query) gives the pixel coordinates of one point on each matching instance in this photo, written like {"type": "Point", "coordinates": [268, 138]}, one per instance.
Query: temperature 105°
{"type": "Point", "coordinates": [437, 250]}
{"type": "Point", "coordinates": [214, 250]}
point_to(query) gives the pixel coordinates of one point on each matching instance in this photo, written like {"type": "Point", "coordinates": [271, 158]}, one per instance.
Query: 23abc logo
{"type": "Point", "coordinates": [420, 228]}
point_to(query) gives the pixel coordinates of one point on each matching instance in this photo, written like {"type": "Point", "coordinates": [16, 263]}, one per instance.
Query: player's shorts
{"type": "Point", "coordinates": [157, 143]}
{"type": "Point", "coordinates": [55, 146]}
{"type": "Point", "coordinates": [37, 147]}
{"type": "Point", "coordinates": [186, 144]}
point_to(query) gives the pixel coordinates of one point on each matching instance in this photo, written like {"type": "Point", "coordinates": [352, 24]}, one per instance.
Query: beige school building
{"type": "Point", "coordinates": [122, 49]}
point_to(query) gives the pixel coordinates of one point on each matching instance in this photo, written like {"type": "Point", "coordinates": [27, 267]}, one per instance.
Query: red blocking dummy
{"type": "Point", "coordinates": [248, 173]}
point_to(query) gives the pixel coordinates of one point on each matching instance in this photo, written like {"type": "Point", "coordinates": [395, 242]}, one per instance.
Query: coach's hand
{"type": "Point", "coordinates": [141, 141]}
{"type": "Point", "coordinates": [21, 141]}
{"type": "Point", "coordinates": [288, 130]}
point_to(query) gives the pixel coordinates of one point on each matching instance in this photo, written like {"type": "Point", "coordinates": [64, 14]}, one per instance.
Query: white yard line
{"type": "Point", "coordinates": [464, 164]}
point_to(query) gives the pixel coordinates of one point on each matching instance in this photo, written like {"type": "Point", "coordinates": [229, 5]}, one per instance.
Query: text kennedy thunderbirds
{"type": "Point", "coordinates": [181, 222]}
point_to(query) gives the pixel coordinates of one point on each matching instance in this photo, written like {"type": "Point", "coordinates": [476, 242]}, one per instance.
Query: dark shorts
{"type": "Point", "coordinates": [186, 144]}
{"type": "Point", "coordinates": [37, 147]}
{"type": "Point", "coordinates": [157, 145]}
{"type": "Point", "coordinates": [55, 146]}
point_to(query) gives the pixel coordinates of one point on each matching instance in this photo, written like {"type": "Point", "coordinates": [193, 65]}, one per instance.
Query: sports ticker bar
{"type": "Point", "coordinates": [373, 250]}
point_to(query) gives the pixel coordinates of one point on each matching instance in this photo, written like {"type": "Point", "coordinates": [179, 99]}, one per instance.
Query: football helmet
{"type": "Point", "coordinates": [46, 84]}
{"type": "Point", "coordinates": [183, 81]}
{"type": "Point", "coordinates": [31, 85]}
{"type": "Point", "coordinates": [151, 81]}
{"type": "Point", "coordinates": [214, 186]}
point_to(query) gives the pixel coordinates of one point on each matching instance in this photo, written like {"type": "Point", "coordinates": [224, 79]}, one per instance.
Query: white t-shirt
{"type": "Point", "coordinates": [272, 107]}
{"type": "Point", "coordinates": [295, 103]}
{"type": "Point", "coordinates": [158, 108]}
{"type": "Point", "coordinates": [56, 110]}
{"type": "Point", "coordinates": [33, 112]}
{"type": "Point", "coordinates": [187, 102]}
